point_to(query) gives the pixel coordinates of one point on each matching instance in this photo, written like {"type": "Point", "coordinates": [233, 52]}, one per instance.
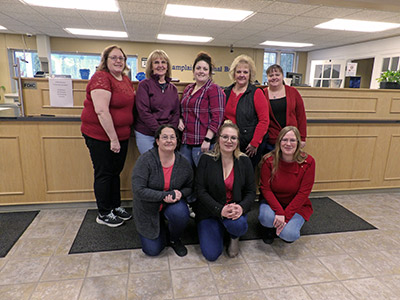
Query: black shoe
{"type": "Point", "coordinates": [122, 213]}
{"type": "Point", "coordinates": [110, 220]}
{"type": "Point", "coordinates": [178, 247]}
{"type": "Point", "coordinates": [269, 235]}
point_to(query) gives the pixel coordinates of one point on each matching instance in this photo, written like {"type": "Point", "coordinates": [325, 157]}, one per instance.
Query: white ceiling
{"type": "Point", "coordinates": [283, 20]}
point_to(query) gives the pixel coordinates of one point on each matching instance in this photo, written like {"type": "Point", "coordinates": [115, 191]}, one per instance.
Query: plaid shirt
{"type": "Point", "coordinates": [201, 111]}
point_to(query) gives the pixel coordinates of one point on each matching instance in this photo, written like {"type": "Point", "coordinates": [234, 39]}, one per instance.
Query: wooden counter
{"type": "Point", "coordinates": [354, 135]}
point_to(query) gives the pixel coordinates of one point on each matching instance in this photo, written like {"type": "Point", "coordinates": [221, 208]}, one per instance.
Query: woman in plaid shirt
{"type": "Point", "coordinates": [202, 111]}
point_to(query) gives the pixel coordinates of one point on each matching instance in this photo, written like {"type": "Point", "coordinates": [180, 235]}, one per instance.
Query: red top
{"type": "Point", "coordinates": [167, 177]}
{"type": "Point", "coordinates": [290, 188]}
{"type": "Point", "coordinates": [295, 114]}
{"type": "Point", "coordinates": [121, 106]}
{"type": "Point", "coordinates": [229, 186]}
{"type": "Point", "coordinates": [262, 113]}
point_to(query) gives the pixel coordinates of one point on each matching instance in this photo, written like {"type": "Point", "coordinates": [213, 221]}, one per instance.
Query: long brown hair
{"type": "Point", "coordinates": [216, 152]}
{"type": "Point", "coordinates": [299, 156]}
{"type": "Point", "coordinates": [104, 56]}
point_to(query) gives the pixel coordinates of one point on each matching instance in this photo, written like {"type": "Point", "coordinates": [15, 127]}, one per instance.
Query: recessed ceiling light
{"type": "Point", "coordinates": [184, 38]}
{"type": "Point", "coordinates": [95, 32]}
{"type": "Point", "coordinates": [103, 5]}
{"type": "Point", "coordinates": [357, 25]}
{"type": "Point", "coordinates": [286, 44]}
{"type": "Point", "coordinates": [2, 28]}
{"type": "Point", "coordinates": [208, 13]}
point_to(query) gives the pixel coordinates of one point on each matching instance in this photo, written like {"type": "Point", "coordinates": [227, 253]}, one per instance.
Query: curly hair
{"type": "Point", "coordinates": [104, 56]}
{"type": "Point", "coordinates": [243, 59]}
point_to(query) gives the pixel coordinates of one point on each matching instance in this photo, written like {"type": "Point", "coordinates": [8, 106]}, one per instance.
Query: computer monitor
{"type": "Point", "coordinates": [296, 78]}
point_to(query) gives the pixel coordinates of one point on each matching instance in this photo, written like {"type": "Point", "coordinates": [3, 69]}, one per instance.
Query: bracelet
{"type": "Point", "coordinates": [207, 139]}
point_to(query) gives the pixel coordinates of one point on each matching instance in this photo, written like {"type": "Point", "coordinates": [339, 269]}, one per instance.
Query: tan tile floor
{"type": "Point", "coordinates": [353, 265]}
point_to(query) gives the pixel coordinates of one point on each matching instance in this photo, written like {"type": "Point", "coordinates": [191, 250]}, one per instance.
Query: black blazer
{"type": "Point", "coordinates": [210, 186]}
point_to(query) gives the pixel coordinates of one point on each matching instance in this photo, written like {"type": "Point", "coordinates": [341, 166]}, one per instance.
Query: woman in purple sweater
{"type": "Point", "coordinates": [157, 100]}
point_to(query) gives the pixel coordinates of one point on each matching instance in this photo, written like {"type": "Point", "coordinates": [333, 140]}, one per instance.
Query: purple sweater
{"type": "Point", "coordinates": [154, 107]}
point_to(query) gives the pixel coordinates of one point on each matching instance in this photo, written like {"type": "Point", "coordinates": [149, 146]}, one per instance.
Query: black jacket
{"type": "Point", "coordinates": [210, 186]}
{"type": "Point", "coordinates": [246, 114]}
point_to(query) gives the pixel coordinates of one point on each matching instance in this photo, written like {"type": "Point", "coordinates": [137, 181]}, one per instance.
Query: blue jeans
{"type": "Point", "coordinates": [144, 142]}
{"type": "Point", "coordinates": [211, 234]}
{"type": "Point", "coordinates": [291, 232]}
{"type": "Point", "coordinates": [191, 153]}
{"type": "Point", "coordinates": [177, 215]}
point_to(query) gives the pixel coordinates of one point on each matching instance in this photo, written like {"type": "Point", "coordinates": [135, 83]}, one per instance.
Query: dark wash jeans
{"type": "Point", "coordinates": [107, 168]}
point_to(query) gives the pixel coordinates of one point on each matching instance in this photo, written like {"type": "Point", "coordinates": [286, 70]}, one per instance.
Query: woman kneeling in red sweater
{"type": "Point", "coordinates": [287, 178]}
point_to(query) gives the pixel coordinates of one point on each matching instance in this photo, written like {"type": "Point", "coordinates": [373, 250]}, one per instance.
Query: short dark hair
{"type": "Point", "coordinates": [158, 133]}
{"type": "Point", "coordinates": [204, 56]}
{"type": "Point", "coordinates": [275, 67]}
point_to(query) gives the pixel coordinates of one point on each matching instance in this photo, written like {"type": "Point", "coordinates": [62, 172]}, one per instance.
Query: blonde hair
{"type": "Point", "coordinates": [152, 57]}
{"type": "Point", "coordinates": [299, 156]}
{"type": "Point", "coordinates": [243, 59]}
{"type": "Point", "coordinates": [216, 152]}
{"type": "Point", "coordinates": [104, 56]}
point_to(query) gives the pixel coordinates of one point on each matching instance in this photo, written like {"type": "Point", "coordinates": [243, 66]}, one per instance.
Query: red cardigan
{"type": "Point", "coordinates": [295, 114]}
{"type": "Point", "coordinates": [290, 188]}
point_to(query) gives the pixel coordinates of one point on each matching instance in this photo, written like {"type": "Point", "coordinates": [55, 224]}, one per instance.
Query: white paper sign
{"type": "Point", "coordinates": [61, 92]}
{"type": "Point", "coordinates": [351, 69]}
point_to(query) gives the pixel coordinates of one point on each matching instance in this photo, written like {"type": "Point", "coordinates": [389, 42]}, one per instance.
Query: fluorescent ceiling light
{"type": "Point", "coordinates": [208, 13]}
{"type": "Point", "coordinates": [286, 44]}
{"type": "Point", "coordinates": [2, 28]}
{"type": "Point", "coordinates": [95, 32]}
{"type": "Point", "coordinates": [103, 5]}
{"type": "Point", "coordinates": [184, 38]}
{"type": "Point", "coordinates": [357, 25]}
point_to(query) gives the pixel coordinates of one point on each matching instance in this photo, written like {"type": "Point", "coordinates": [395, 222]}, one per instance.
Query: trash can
{"type": "Point", "coordinates": [84, 73]}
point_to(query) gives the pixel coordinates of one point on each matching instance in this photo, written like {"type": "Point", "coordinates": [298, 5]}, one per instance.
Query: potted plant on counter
{"type": "Point", "coordinates": [389, 80]}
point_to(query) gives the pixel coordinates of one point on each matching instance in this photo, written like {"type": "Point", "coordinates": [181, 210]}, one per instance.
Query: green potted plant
{"type": "Point", "coordinates": [2, 90]}
{"type": "Point", "coordinates": [389, 80]}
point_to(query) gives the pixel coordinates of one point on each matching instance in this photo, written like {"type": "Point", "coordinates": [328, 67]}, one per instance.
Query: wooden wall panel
{"type": "Point", "coordinates": [11, 176]}
{"type": "Point", "coordinates": [392, 167]}
{"type": "Point", "coordinates": [340, 105]}
{"type": "Point", "coordinates": [395, 106]}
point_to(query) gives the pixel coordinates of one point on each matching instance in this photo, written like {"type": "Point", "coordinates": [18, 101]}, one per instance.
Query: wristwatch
{"type": "Point", "coordinates": [208, 140]}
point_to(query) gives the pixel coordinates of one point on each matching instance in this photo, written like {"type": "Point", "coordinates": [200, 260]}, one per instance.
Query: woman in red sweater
{"type": "Point", "coordinates": [287, 178]}
{"type": "Point", "coordinates": [106, 126]}
{"type": "Point", "coordinates": [286, 107]}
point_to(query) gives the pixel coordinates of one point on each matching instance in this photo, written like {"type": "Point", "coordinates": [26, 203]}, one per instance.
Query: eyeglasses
{"type": "Point", "coordinates": [286, 140]}
{"type": "Point", "coordinates": [115, 58]}
{"type": "Point", "coordinates": [166, 137]}
{"type": "Point", "coordinates": [225, 138]}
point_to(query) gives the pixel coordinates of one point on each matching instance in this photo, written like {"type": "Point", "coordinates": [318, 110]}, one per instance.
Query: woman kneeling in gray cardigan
{"type": "Point", "coordinates": [162, 178]}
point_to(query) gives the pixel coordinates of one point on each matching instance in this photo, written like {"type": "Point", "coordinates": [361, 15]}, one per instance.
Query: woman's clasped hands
{"type": "Point", "coordinates": [232, 211]}
{"type": "Point", "coordinates": [279, 223]}
{"type": "Point", "coordinates": [170, 199]}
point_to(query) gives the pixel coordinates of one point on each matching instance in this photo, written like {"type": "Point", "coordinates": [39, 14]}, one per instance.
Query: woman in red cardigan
{"type": "Point", "coordinates": [286, 107]}
{"type": "Point", "coordinates": [287, 178]}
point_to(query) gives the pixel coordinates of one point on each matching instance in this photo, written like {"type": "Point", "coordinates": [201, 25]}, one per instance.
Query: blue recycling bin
{"type": "Point", "coordinates": [84, 73]}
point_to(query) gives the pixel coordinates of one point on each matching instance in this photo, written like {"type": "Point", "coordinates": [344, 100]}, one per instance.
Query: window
{"type": "Point", "coordinates": [269, 60]}
{"type": "Point", "coordinates": [70, 64]}
{"type": "Point", "coordinates": [287, 62]}
{"type": "Point", "coordinates": [63, 63]}
{"type": "Point", "coordinates": [327, 75]}
{"type": "Point", "coordinates": [284, 59]}
{"type": "Point", "coordinates": [29, 62]}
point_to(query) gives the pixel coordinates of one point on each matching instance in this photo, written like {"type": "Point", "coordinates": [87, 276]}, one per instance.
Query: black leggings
{"type": "Point", "coordinates": [107, 168]}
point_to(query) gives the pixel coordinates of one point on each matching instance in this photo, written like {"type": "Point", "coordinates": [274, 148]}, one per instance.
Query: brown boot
{"type": "Point", "coordinates": [233, 249]}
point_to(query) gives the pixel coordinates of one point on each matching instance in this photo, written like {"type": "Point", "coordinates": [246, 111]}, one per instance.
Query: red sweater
{"type": "Point", "coordinates": [121, 106]}
{"type": "Point", "coordinates": [290, 188]}
{"type": "Point", "coordinates": [295, 114]}
{"type": "Point", "coordinates": [261, 110]}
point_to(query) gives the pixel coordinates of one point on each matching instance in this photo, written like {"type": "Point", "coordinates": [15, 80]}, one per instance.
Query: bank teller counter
{"type": "Point", "coordinates": [354, 135]}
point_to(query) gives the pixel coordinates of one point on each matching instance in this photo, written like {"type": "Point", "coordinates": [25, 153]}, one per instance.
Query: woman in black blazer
{"type": "Point", "coordinates": [225, 190]}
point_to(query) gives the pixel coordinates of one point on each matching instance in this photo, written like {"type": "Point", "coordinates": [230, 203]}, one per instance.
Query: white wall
{"type": "Point", "coordinates": [377, 49]}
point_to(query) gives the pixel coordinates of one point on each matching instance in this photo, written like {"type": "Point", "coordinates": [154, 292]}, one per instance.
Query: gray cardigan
{"type": "Point", "coordinates": [148, 189]}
